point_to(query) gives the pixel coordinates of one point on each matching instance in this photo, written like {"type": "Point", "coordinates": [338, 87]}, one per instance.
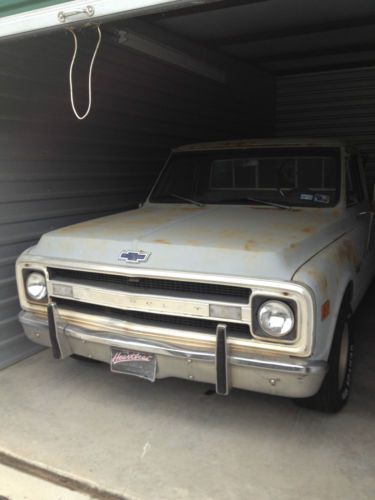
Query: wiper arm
{"type": "Point", "coordinates": [261, 202]}
{"type": "Point", "coordinates": [270, 203]}
{"type": "Point", "coordinates": [189, 200]}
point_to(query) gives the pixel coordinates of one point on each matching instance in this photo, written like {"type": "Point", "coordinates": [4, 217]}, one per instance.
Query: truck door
{"type": "Point", "coordinates": [361, 218]}
{"type": "Point", "coordinates": [370, 248]}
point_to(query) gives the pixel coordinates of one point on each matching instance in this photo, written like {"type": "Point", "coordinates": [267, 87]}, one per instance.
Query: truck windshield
{"type": "Point", "coordinates": [283, 176]}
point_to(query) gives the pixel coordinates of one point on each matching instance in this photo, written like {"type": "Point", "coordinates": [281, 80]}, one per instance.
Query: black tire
{"type": "Point", "coordinates": [335, 389]}
{"type": "Point", "coordinates": [78, 357]}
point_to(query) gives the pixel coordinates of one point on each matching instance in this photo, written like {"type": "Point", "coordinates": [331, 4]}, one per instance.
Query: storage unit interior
{"type": "Point", "coordinates": [216, 70]}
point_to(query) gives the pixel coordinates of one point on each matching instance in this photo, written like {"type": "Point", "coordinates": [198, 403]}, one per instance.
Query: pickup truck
{"type": "Point", "coordinates": [242, 269]}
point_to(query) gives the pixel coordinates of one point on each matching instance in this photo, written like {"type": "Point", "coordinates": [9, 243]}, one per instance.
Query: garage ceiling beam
{"type": "Point", "coordinates": [293, 31]}
{"type": "Point", "coordinates": [307, 54]}
{"type": "Point", "coordinates": [199, 9]}
{"type": "Point", "coordinates": [168, 54]}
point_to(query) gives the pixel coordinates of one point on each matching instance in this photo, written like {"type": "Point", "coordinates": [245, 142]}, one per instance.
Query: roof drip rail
{"type": "Point", "coordinates": [78, 116]}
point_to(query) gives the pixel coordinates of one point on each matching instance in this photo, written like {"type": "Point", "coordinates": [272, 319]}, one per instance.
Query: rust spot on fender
{"type": "Point", "coordinates": [347, 254]}
{"type": "Point", "coordinates": [320, 279]}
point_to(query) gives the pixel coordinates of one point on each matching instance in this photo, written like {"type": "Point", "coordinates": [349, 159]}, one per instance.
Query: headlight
{"type": "Point", "coordinates": [36, 286]}
{"type": "Point", "coordinates": [276, 318]}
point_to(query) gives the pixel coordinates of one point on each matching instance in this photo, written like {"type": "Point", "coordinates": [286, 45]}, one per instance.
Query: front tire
{"type": "Point", "coordinates": [335, 389]}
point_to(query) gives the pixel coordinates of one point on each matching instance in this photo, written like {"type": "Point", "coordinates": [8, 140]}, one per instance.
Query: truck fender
{"type": "Point", "coordinates": [330, 274]}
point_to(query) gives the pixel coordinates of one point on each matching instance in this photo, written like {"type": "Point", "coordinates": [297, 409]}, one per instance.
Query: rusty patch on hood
{"type": "Point", "coordinates": [308, 230]}
{"type": "Point", "coordinates": [162, 241]}
{"type": "Point", "coordinates": [249, 245]}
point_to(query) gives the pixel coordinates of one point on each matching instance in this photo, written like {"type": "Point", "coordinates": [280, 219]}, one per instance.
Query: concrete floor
{"type": "Point", "coordinates": [16, 485]}
{"type": "Point", "coordinates": [169, 440]}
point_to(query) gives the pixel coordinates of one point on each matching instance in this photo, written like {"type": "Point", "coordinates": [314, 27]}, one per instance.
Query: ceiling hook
{"type": "Point", "coordinates": [89, 11]}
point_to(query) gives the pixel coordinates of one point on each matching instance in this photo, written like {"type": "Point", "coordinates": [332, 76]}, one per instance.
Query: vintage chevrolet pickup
{"type": "Point", "coordinates": [241, 269]}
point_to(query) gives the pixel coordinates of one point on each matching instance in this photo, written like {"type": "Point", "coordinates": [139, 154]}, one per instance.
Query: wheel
{"type": "Point", "coordinates": [334, 392]}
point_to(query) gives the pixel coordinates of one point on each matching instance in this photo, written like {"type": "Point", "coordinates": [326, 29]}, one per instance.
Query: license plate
{"type": "Point", "coordinates": [136, 363]}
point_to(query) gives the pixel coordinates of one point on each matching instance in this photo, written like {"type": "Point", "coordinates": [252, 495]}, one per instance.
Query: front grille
{"type": "Point", "coordinates": [187, 289]}
{"type": "Point", "coordinates": [238, 330]}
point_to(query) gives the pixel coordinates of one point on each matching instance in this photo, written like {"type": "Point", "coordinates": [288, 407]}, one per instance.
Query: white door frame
{"type": "Point", "coordinates": [79, 12]}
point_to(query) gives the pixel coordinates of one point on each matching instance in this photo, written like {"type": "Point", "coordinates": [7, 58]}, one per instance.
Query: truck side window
{"type": "Point", "coordinates": [354, 188]}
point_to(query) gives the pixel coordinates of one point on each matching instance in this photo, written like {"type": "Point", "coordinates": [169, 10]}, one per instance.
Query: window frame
{"type": "Point", "coordinates": [354, 156]}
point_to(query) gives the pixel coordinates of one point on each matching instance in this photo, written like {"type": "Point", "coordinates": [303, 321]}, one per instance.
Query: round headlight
{"type": "Point", "coordinates": [276, 318]}
{"type": "Point", "coordinates": [36, 286]}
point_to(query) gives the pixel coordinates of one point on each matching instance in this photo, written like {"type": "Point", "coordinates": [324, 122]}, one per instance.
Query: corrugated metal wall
{"type": "Point", "coordinates": [333, 104]}
{"type": "Point", "coordinates": [55, 170]}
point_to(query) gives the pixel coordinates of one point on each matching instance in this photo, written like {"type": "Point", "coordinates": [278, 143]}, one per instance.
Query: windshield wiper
{"type": "Point", "coordinates": [261, 202]}
{"type": "Point", "coordinates": [270, 203]}
{"type": "Point", "coordinates": [189, 200]}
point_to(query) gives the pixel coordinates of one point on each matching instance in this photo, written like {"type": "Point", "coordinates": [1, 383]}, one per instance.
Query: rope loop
{"type": "Point", "coordinates": [82, 117]}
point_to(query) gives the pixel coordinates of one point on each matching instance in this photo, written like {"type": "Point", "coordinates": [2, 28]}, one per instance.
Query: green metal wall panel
{"type": "Point", "coordinates": [10, 7]}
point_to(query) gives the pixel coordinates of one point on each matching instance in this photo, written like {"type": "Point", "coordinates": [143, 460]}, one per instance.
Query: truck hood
{"type": "Point", "coordinates": [256, 242]}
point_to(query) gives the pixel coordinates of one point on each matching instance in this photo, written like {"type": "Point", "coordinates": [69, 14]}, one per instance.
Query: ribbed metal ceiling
{"type": "Point", "coordinates": [282, 37]}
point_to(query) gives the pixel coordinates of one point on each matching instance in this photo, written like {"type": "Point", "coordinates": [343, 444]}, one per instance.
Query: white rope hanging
{"type": "Point", "coordinates": [82, 117]}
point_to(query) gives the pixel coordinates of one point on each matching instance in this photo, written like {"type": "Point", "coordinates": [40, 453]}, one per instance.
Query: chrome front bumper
{"type": "Point", "coordinates": [176, 357]}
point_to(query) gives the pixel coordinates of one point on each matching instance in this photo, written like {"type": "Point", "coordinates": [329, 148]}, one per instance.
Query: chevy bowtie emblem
{"type": "Point", "coordinates": [134, 257]}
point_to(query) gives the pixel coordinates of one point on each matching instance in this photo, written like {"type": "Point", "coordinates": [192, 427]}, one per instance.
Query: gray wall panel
{"type": "Point", "coordinates": [55, 170]}
{"type": "Point", "coordinates": [334, 104]}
